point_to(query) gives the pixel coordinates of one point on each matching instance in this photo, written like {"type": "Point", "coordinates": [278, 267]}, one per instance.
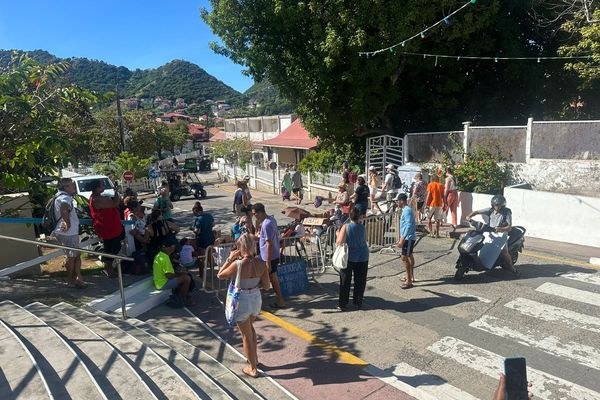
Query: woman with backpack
{"type": "Point", "coordinates": [238, 199]}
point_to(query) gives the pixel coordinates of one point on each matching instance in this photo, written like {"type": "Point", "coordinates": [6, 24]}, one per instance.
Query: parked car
{"type": "Point", "coordinates": [83, 184]}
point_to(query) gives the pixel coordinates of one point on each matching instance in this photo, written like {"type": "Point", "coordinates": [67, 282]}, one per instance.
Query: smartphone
{"type": "Point", "coordinates": [516, 378]}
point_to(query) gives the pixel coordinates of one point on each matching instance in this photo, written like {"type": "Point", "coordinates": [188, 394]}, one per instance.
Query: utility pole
{"type": "Point", "coordinates": [120, 120]}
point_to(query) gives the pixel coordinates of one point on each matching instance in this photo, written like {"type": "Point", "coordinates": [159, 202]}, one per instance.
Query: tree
{"type": "Point", "coordinates": [309, 50]}
{"type": "Point", "coordinates": [178, 134]}
{"type": "Point", "coordinates": [237, 151]}
{"type": "Point", "coordinates": [33, 111]}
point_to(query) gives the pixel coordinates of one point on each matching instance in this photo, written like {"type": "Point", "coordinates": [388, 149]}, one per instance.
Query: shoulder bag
{"type": "Point", "coordinates": [233, 297]}
{"type": "Point", "coordinates": [340, 255]}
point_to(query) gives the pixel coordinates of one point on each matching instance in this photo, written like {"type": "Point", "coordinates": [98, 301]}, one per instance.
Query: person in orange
{"type": "Point", "coordinates": [451, 195]}
{"type": "Point", "coordinates": [435, 202]}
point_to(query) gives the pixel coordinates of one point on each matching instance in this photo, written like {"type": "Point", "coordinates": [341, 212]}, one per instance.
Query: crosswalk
{"type": "Point", "coordinates": [562, 310]}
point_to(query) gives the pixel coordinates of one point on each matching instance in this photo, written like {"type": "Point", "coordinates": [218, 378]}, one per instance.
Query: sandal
{"type": "Point", "coordinates": [403, 279]}
{"type": "Point", "coordinates": [406, 286]}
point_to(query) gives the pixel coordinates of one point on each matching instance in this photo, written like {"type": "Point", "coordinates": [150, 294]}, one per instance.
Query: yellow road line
{"type": "Point", "coordinates": [302, 334]}
{"type": "Point", "coordinates": [561, 260]}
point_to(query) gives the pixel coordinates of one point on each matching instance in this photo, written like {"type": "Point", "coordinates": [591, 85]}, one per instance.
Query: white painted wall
{"type": "Point", "coordinates": [556, 216]}
{"type": "Point", "coordinates": [469, 202]}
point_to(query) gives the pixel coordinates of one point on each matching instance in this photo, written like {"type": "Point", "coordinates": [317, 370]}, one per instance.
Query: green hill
{"type": "Point", "coordinates": [175, 79]}
{"type": "Point", "coordinates": [268, 97]}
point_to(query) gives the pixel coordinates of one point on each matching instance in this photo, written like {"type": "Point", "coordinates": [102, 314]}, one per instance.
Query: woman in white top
{"type": "Point", "coordinates": [253, 274]}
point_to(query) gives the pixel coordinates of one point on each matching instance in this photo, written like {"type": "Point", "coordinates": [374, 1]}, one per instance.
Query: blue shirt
{"type": "Point", "coordinates": [356, 239]}
{"type": "Point", "coordinates": [205, 237]}
{"type": "Point", "coordinates": [408, 227]}
{"type": "Point", "coordinates": [268, 231]}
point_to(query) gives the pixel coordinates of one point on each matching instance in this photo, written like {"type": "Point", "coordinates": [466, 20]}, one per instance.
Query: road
{"type": "Point", "coordinates": [450, 338]}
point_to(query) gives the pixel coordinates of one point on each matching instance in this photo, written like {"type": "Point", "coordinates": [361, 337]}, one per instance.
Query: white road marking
{"type": "Point", "coordinates": [580, 353]}
{"type": "Point", "coordinates": [458, 293]}
{"type": "Point", "coordinates": [594, 279]}
{"type": "Point", "coordinates": [566, 292]}
{"type": "Point", "coordinates": [545, 386]}
{"type": "Point", "coordinates": [429, 383]}
{"type": "Point", "coordinates": [550, 313]}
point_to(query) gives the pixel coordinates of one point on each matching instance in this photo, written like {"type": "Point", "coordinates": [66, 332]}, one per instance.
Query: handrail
{"type": "Point", "coordinates": [97, 253]}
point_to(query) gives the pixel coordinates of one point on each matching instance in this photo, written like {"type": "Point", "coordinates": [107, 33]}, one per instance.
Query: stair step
{"type": "Point", "coordinates": [229, 381]}
{"type": "Point", "coordinates": [191, 330]}
{"type": "Point", "coordinates": [157, 374]}
{"type": "Point", "coordinates": [116, 378]}
{"type": "Point", "coordinates": [65, 373]}
{"type": "Point", "coordinates": [20, 377]}
{"type": "Point", "coordinates": [202, 384]}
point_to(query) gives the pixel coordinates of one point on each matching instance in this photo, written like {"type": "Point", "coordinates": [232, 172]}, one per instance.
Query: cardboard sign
{"type": "Point", "coordinates": [315, 221]}
{"type": "Point", "coordinates": [293, 277]}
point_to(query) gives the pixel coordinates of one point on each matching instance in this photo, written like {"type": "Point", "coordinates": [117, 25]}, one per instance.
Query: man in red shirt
{"type": "Point", "coordinates": [106, 222]}
{"type": "Point", "coordinates": [435, 202]}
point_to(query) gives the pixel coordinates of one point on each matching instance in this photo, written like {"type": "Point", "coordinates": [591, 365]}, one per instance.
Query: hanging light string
{"type": "Point", "coordinates": [496, 59]}
{"type": "Point", "coordinates": [416, 35]}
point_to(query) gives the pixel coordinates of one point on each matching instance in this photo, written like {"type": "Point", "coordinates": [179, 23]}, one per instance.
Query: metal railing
{"type": "Point", "coordinates": [96, 253]}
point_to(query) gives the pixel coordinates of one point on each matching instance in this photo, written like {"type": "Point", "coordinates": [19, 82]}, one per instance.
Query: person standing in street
{"type": "Point", "coordinates": [297, 185]}
{"type": "Point", "coordinates": [360, 197]}
{"type": "Point", "coordinates": [408, 237]}
{"type": "Point", "coordinates": [388, 187]}
{"type": "Point", "coordinates": [67, 231]}
{"type": "Point", "coordinates": [238, 199]}
{"type": "Point", "coordinates": [374, 183]}
{"type": "Point", "coordinates": [106, 222]}
{"type": "Point", "coordinates": [435, 202]}
{"type": "Point", "coordinates": [164, 204]}
{"type": "Point", "coordinates": [269, 243]}
{"type": "Point", "coordinates": [419, 193]}
{"type": "Point", "coordinates": [354, 235]}
{"type": "Point", "coordinates": [451, 195]}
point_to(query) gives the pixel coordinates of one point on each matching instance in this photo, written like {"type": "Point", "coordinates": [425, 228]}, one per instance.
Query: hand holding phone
{"type": "Point", "coordinates": [516, 379]}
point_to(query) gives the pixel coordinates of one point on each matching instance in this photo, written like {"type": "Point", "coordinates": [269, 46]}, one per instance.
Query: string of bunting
{"type": "Point", "coordinates": [496, 59]}
{"type": "Point", "coordinates": [421, 34]}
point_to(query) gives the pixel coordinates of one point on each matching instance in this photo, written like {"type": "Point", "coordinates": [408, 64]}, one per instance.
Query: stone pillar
{"type": "Point", "coordinates": [466, 126]}
{"type": "Point", "coordinates": [528, 139]}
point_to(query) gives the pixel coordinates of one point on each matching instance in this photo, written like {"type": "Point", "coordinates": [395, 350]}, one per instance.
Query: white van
{"type": "Point", "coordinates": [83, 184]}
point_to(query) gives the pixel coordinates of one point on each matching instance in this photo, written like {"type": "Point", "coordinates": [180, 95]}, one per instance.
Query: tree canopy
{"type": "Point", "coordinates": [309, 50]}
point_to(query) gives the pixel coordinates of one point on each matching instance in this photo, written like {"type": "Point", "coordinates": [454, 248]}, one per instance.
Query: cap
{"type": "Point", "coordinates": [401, 196]}
{"type": "Point", "coordinates": [389, 166]}
{"type": "Point", "coordinates": [170, 241]}
{"type": "Point", "coordinates": [371, 168]}
{"type": "Point", "coordinates": [246, 178]}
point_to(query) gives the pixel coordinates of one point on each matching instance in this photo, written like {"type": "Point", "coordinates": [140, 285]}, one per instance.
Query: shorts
{"type": "Point", "coordinates": [420, 205]}
{"type": "Point", "coordinates": [250, 302]}
{"type": "Point", "coordinates": [436, 212]}
{"type": "Point", "coordinates": [171, 284]}
{"type": "Point", "coordinates": [71, 241]}
{"type": "Point", "coordinates": [273, 266]}
{"type": "Point", "coordinates": [407, 247]}
{"type": "Point", "coordinates": [239, 210]}
{"type": "Point", "coordinates": [112, 246]}
{"type": "Point", "coordinates": [362, 207]}
{"type": "Point", "coordinates": [372, 191]}
{"type": "Point", "coordinates": [192, 264]}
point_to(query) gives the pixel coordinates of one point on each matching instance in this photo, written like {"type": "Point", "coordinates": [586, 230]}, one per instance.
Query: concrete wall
{"type": "Point", "coordinates": [428, 147]}
{"type": "Point", "coordinates": [578, 177]}
{"type": "Point", "coordinates": [286, 156]}
{"type": "Point", "coordinates": [566, 140]}
{"type": "Point", "coordinates": [469, 202]}
{"type": "Point", "coordinates": [510, 141]}
{"type": "Point", "coordinates": [556, 216]}
{"type": "Point", "coordinates": [15, 252]}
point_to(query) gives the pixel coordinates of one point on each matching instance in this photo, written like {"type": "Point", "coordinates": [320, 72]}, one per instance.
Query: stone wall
{"type": "Point", "coordinates": [429, 147]}
{"type": "Point", "coordinates": [579, 177]}
{"type": "Point", "coordinates": [510, 141]}
{"type": "Point", "coordinates": [566, 140]}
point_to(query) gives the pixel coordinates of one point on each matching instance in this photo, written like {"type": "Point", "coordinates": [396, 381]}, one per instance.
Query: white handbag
{"type": "Point", "coordinates": [340, 257]}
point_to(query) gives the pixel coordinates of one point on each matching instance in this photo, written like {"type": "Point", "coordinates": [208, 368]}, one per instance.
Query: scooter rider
{"type": "Point", "coordinates": [500, 218]}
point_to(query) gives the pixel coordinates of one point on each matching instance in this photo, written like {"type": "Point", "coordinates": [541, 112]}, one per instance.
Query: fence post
{"type": "Point", "coordinates": [405, 149]}
{"type": "Point", "coordinates": [466, 126]}
{"type": "Point", "coordinates": [528, 140]}
{"type": "Point", "coordinates": [309, 185]}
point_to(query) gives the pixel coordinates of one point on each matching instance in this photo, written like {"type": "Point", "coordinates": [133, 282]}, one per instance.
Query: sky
{"type": "Point", "coordinates": [135, 34]}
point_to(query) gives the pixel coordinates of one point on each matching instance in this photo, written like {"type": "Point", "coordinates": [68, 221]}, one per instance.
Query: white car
{"type": "Point", "coordinates": [83, 185]}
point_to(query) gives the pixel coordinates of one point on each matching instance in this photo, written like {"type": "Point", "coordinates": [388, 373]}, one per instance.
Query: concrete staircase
{"type": "Point", "coordinates": [65, 352]}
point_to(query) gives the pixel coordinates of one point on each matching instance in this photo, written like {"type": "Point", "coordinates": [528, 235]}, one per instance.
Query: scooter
{"type": "Point", "coordinates": [479, 248]}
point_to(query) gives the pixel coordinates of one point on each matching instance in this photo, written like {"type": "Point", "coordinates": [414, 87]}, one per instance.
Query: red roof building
{"type": "Point", "coordinates": [292, 137]}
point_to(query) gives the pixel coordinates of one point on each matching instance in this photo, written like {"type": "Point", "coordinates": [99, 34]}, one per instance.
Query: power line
{"type": "Point", "coordinates": [420, 34]}
{"type": "Point", "coordinates": [498, 58]}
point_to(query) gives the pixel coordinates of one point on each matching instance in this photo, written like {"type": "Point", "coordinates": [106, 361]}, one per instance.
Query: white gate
{"type": "Point", "coordinates": [383, 150]}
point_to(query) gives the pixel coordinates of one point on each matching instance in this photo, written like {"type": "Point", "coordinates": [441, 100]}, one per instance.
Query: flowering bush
{"type": "Point", "coordinates": [483, 172]}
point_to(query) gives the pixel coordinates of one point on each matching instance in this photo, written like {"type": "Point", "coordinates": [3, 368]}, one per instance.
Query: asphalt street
{"type": "Point", "coordinates": [450, 338]}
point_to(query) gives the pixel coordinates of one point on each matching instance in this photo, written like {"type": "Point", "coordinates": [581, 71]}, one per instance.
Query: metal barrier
{"type": "Point", "coordinates": [383, 230]}
{"type": "Point", "coordinates": [97, 253]}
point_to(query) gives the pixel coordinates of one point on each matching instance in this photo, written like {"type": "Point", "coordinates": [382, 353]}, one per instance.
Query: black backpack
{"type": "Point", "coordinates": [49, 220]}
{"type": "Point", "coordinates": [397, 182]}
